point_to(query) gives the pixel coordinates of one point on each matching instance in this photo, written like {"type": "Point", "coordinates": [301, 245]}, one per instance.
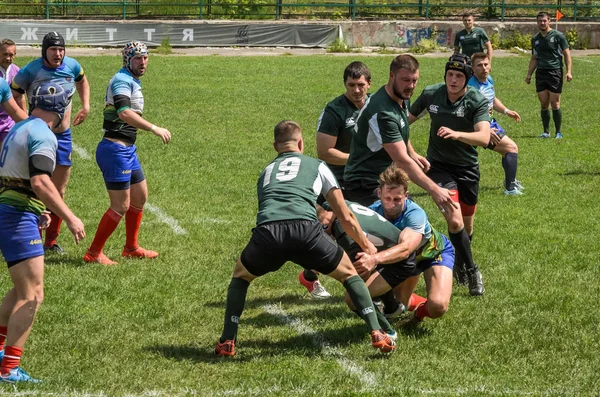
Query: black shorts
{"type": "Point", "coordinates": [395, 273]}
{"type": "Point", "coordinates": [300, 241]}
{"type": "Point", "coordinates": [361, 192]}
{"type": "Point", "coordinates": [463, 179]}
{"type": "Point", "coordinates": [549, 79]}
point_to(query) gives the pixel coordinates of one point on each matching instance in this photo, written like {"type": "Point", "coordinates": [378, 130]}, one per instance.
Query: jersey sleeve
{"type": "Point", "coordinates": [329, 122]}
{"type": "Point", "coordinates": [122, 92]}
{"type": "Point", "coordinates": [419, 105]}
{"type": "Point", "coordinates": [457, 39]}
{"type": "Point", "coordinates": [5, 92]}
{"type": "Point", "coordinates": [473, 82]}
{"type": "Point", "coordinates": [416, 219]}
{"type": "Point", "coordinates": [388, 127]}
{"type": "Point", "coordinates": [482, 112]}
{"type": "Point", "coordinates": [562, 41]}
{"type": "Point", "coordinates": [22, 80]}
{"type": "Point", "coordinates": [42, 143]}
{"type": "Point", "coordinates": [325, 180]}
{"type": "Point", "coordinates": [485, 37]}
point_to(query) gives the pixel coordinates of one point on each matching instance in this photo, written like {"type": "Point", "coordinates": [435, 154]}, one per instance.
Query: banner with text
{"type": "Point", "coordinates": [180, 34]}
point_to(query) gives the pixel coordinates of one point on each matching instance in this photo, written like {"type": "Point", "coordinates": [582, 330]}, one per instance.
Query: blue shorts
{"type": "Point", "coordinates": [65, 147]}
{"type": "Point", "coordinates": [19, 235]}
{"type": "Point", "coordinates": [499, 131]}
{"type": "Point", "coordinates": [119, 164]}
{"type": "Point", "coordinates": [445, 258]}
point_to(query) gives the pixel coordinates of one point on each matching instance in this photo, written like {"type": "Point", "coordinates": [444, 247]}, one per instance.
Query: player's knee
{"type": "Point", "coordinates": [437, 307]}
{"type": "Point", "coordinates": [555, 105]}
{"type": "Point", "coordinates": [455, 224]}
{"type": "Point", "coordinates": [120, 207]}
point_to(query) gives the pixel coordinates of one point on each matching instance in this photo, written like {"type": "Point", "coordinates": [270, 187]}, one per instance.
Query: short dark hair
{"type": "Point", "coordinates": [7, 42]}
{"type": "Point", "coordinates": [542, 14]}
{"type": "Point", "coordinates": [478, 55]}
{"type": "Point", "coordinates": [356, 70]}
{"type": "Point", "coordinates": [404, 61]}
{"type": "Point", "coordinates": [468, 14]}
{"type": "Point", "coordinates": [286, 131]}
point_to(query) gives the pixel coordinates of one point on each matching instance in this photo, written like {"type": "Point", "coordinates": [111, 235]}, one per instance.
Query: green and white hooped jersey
{"type": "Point", "coordinates": [459, 116]}
{"type": "Point", "coordinates": [382, 233]}
{"type": "Point", "coordinates": [549, 49]}
{"type": "Point", "coordinates": [289, 186]}
{"type": "Point", "coordinates": [381, 120]}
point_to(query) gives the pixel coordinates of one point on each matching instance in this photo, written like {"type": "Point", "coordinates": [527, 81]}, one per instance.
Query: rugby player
{"type": "Point", "coordinates": [472, 39]}
{"type": "Point", "coordinates": [8, 70]}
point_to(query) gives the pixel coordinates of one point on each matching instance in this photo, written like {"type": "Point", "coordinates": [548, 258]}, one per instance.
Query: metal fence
{"type": "Point", "coordinates": [574, 10]}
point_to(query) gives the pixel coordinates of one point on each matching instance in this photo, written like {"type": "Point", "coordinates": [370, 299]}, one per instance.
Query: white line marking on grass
{"type": "Point", "coordinates": [366, 377]}
{"type": "Point", "coordinates": [200, 221]}
{"type": "Point", "coordinates": [81, 152]}
{"type": "Point", "coordinates": [583, 60]}
{"type": "Point", "coordinates": [165, 218]}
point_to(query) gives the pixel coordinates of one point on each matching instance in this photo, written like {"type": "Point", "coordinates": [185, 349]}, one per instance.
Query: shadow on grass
{"type": "Point", "coordinates": [289, 299]}
{"type": "Point", "coordinates": [62, 260]}
{"type": "Point", "coordinates": [322, 344]}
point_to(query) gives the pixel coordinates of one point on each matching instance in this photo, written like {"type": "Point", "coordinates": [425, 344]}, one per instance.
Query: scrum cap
{"type": "Point", "coordinates": [52, 39]}
{"type": "Point", "coordinates": [462, 63]}
{"type": "Point", "coordinates": [51, 97]}
{"type": "Point", "coordinates": [131, 50]}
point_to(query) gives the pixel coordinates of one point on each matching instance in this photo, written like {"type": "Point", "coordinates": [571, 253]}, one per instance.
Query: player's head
{"type": "Point", "coordinates": [53, 49]}
{"type": "Point", "coordinates": [393, 191]}
{"type": "Point", "coordinates": [457, 73]}
{"type": "Point", "coordinates": [287, 136]}
{"type": "Point", "coordinates": [50, 97]}
{"type": "Point", "coordinates": [468, 20]}
{"type": "Point", "coordinates": [543, 20]}
{"type": "Point", "coordinates": [481, 65]}
{"type": "Point", "coordinates": [357, 80]}
{"type": "Point", "coordinates": [135, 58]}
{"type": "Point", "coordinates": [404, 75]}
{"type": "Point", "coordinates": [8, 50]}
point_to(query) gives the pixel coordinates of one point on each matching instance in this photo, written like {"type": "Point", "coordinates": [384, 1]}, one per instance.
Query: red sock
{"type": "Point", "coordinates": [109, 222]}
{"type": "Point", "coordinates": [133, 220]}
{"type": "Point", "coordinates": [53, 230]}
{"type": "Point", "coordinates": [414, 301]}
{"type": "Point", "coordinates": [422, 311]}
{"type": "Point", "coordinates": [3, 331]}
{"type": "Point", "coordinates": [12, 359]}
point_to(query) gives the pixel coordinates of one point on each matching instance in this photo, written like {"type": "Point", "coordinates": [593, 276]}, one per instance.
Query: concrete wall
{"type": "Point", "coordinates": [408, 33]}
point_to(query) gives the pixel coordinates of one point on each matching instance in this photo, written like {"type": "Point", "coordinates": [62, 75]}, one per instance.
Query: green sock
{"type": "Point", "coordinates": [546, 119]}
{"type": "Point", "coordinates": [236, 299]}
{"type": "Point", "coordinates": [362, 301]}
{"type": "Point", "coordinates": [384, 323]}
{"type": "Point", "coordinates": [557, 117]}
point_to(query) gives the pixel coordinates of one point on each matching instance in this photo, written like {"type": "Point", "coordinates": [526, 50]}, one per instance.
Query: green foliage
{"type": "Point", "coordinates": [424, 46]}
{"type": "Point", "coordinates": [495, 40]}
{"type": "Point", "coordinates": [383, 49]}
{"type": "Point", "coordinates": [575, 41]}
{"type": "Point", "coordinates": [516, 39]}
{"type": "Point", "coordinates": [339, 45]}
{"type": "Point", "coordinates": [149, 327]}
{"type": "Point", "coordinates": [165, 47]}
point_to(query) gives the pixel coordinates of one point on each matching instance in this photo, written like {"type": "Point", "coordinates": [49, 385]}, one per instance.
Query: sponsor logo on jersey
{"type": "Point", "coordinates": [35, 242]}
{"type": "Point", "coordinates": [462, 38]}
{"type": "Point", "coordinates": [552, 39]}
{"type": "Point", "coordinates": [126, 172]}
{"type": "Point", "coordinates": [350, 122]}
{"type": "Point", "coordinates": [460, 112]}
{"type": "Point", "coordinates": [536, 43]}
{"type": "Point", "coordinates": [433, 108]}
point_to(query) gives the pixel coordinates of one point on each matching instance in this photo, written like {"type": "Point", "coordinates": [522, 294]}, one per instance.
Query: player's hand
{"type": "Point", "coordinates": [443, 199]}
{"type": "Point", "coordinates": [364, 264]}
{"type": "Point", "coordinates": [569, 77]}
{"type": "Point", "coordinates": [514, 115]}
{"type": "Point", "coordinates": [81, 116]}
{"type": "Point", "coordinates": [447, 133]}
{"type": "Point", "coordinates": [45, 220]}
{"type": "Point", "coordinates": [528, 79]}
{"type": "Point", "coordinates": [162, 133]}
{"type": "Point", "coordinates": [76, 227]}
{"type": "Point", "coordinates": [370, 248]}
{"type": "Point", "coordinates": [494, 138]}
{"type": "Point", "coordinates": [421, 162]}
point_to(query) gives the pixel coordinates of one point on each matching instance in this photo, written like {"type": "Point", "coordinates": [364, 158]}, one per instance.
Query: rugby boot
{"type": "Point", "coordinates": [139, 252]}
{"type": "Point", "coordinates": [475, 282]}
{"type": "Point", "coordinates": [17, 375]}
{"type": "Point", "coordinates": [54, 249]}
{"type": "Point", "coordinates": [100, 258]}
{"type": "Point", "coordinates": [225, 349]}
{"type": "Point", "coordinates": [316, 289]}
{"type": "Point", "coordinates": [382, 341]}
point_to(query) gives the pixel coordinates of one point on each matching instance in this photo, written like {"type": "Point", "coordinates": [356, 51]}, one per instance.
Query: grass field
{"type": "Point", "coordinates": [148, 328]}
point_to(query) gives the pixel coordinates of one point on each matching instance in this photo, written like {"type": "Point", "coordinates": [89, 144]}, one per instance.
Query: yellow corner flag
{"type": "Point", "coordinates": [559, 15]}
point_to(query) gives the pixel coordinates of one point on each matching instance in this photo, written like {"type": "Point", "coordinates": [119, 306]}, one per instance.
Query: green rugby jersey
{"type": "Point", "coordinates": [459, 116]}
{"type": "Point", "coordinates": [471, 43]}
{"type": "Point", "coordinates": [378, 230]}
{"type": "Point", "coordinates": [381, 120]}
{"type": "Point", "coordinates": [289, 186]}
{"type": "Point", "coordinates": [338, 119]}
{"type": "Point", "coordinates": [548, 49]}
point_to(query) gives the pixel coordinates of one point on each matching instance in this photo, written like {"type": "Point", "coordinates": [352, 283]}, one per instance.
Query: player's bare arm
{"type": "Point", "coordinates": [327, 152]}
{"type": "Point", "coordinates": [46, 191]}
{"type": "Point", "coordinates": [83, 89]}
{"type": "Point", "coordinates": [399, 154]}
{"type": "Point", "coordinates": [348, 220]}
{"type": "Point", "coordinates": [490, 50]}
{"type": "Point", "coordinates": [480, 137]}
{"type": "Point", "coordinates": [568, 64]}
{"type": "Point", "coordinates": [137, 121]}
{"type": "Point", "coordinates": [501, 108]}
{"type": "Point", "coordinates": [408, 242]}
{"type": "Point", "coordinates": [531, 68]}
{"type": "Point", "coordinates": [14, 110]}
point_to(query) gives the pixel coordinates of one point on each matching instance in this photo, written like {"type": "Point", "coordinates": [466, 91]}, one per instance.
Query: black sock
{"type": "Point", "coordinates": [362, 301]}
{"type": "Point", "coordinates": [309, 275]}
{"type": "Point", "coordinates": [557, 117]}
{"type": "Point", "coordinates": [390, 304]}
{"type": "Point", "coordinates": [236, 299]}
{"type": "Point", "coordinates": [462, 246]}
{"type": "Point", "coordinates": [509, 163]}
{"type": "Point", "coordinates": [546, 119]}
